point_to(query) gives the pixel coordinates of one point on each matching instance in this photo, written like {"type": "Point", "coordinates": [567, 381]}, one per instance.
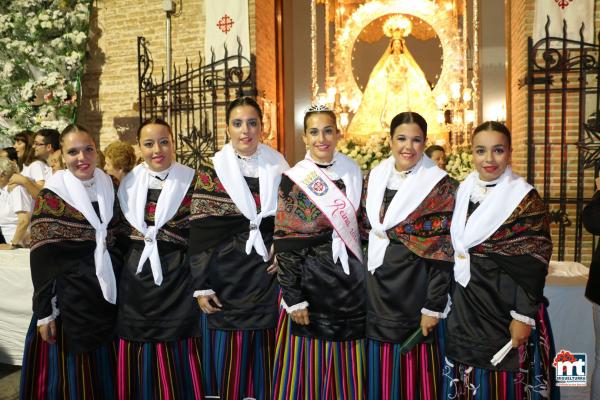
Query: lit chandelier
{"type": "Point", "coordinates": [455, 113]}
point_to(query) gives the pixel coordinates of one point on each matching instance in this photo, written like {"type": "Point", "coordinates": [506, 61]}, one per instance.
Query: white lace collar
{"type": "Point", "coordinates": [248, 164]}
{"type": "Point", "coordinates": [396, 178]}
{"type": "Point", "coordinates": [329, 169]}
{"type": "Point", "coordinates": [482, 189]}
{"type": "Point", "coordinates": [90, 189]}
{"type": "Point", "coordinates": [159, 177]}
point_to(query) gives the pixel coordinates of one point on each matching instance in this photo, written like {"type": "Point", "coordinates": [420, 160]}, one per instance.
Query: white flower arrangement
{"type": "Point", "coordinates": [42, 47]}
{"type": "Point", "coordinates": [460, 163]}
{"type": "Point", "coordinates": [368, 154]}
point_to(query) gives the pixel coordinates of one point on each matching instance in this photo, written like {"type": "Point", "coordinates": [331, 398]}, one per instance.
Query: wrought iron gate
{"type": "Point", "coordinates": [563, 82]}
{"type": "Point", "coordinates": [194, 101]}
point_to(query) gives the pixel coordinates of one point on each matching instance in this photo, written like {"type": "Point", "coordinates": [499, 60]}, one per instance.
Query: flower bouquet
{"type": "Point", "coordinates": [367, 154]}
{"type": "Point", "coordinates": [42, 48]}
{"type": "Point", "coordinates": [460, 163]}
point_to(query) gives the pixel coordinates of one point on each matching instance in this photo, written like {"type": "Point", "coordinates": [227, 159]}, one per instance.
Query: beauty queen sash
{"type": "Point", "coordinates": [332, 202]}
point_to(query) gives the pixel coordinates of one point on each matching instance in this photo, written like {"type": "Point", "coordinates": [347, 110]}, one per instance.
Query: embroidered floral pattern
{"type": "Point", "coordinates": [54, 220]}
{"type": "Point", "coordinates": [525, 232]}
{"type": "Point", "coordinates": [297, 216]}
{"type": "Point", "coordinates": [305, 209]}
{"type": "Point", "coordinates": [210, 199]}
{"type": "Point", "coordinates": [150, 211]}
{"type": "Point", "coordinates": [426, 231]}
{"type": "Point", "coordinates": [207, 180]}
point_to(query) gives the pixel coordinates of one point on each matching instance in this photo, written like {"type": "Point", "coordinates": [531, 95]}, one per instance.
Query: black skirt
{"type": "Point", "coordinates": [396, 293]}
{"type": "Point", "coordinates": [88, 320]}
{"type": "Point", "coordinates": [478, 323]}
{"type": "Point", "coordinates": [337, 302]}
{"type": "Point", "coordinates": [148, 312]}
{"type": "Point", "coordinates": [241, 282]}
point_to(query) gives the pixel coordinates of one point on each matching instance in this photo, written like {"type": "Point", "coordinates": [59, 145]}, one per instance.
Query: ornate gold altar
{"type": "Point", "coordinates": [397, 82]}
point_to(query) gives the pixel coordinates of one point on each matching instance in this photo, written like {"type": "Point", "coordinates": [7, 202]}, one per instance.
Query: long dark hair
{"type": "Point", "coordinates": [28, 157]}
{"type": "Point", "coordinates": [493, 126]}
{"type": "Point", "coordinates": [409, 117]}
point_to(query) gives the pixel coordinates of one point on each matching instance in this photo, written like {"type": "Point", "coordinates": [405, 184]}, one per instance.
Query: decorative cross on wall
{"type": "Point", "coordinates": [225, 23]}
{"type": "Point", "coordinates": [563, 3]}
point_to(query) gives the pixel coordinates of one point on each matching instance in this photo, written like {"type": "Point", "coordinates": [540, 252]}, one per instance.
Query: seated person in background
{"type": "Point", "coordinates": [15, 208]}
{"type": "Point", "coordinates": [55, 161]}
{"type": "Point", "coordinates": [33, 176]}
{"type": "Point", "coordinates": [437, 155]}
{"type": "Point", "coordinates": [119, 159]}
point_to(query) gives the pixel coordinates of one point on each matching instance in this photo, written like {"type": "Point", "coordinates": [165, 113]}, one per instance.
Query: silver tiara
{"type": "Point", "coordinates": [318, 108]}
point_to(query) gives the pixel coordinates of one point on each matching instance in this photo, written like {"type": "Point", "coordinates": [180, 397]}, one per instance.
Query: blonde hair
{"type": "Point", "coordinates": [7, 167]}
{"type": "Point", "coordinates": [121, 154]}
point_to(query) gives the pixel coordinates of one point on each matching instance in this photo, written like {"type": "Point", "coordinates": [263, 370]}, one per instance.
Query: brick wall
{"type": "Point", "coordinates": [522, 14]}
{"type": "Point", "coordinates": [110, 88]}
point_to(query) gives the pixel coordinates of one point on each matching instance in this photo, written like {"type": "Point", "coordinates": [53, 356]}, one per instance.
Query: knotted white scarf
{"type": "Point", "coordinates": [413, 190]}
{"type": "Point", "coordinates": [71, 189]}
{"type": "Point", "coordinates": [495, 208]}
{"type": "Point", "coordinates": [133, 193]}
{"type": "Point", "coordinates": [271, 165]}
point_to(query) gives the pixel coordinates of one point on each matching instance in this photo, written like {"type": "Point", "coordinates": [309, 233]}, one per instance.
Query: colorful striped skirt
{"type": "Point", "coordinates": [534, 381]}
{"type": "Point", "coordinates": [395, 376]}
{"type": "Point", "coordinates": [237, 364]}
{"type": "Point", "coordinates": [48, 372]}
{"type": "Point", "coordinates": [309, 368]}
{"type": "Point", "coordinates": [160, 370]}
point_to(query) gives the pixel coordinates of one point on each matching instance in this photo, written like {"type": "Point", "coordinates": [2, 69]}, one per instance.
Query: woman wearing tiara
{"type": "Point", "coordinates": [320, 351]}
{"type": "Point", "coordinates": [159, 350]}
{"type": "Point", "coordinates": [405, 212]}
{"type": "Point", "coordinates": [231, 236]}
{"type": "Point", "coordinates": [71, 348]}
{"type": "Point", "coordinates": [498, 340]}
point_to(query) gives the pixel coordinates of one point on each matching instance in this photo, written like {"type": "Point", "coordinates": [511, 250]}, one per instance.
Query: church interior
{"type": "Point", "coordinates": [111, 64]}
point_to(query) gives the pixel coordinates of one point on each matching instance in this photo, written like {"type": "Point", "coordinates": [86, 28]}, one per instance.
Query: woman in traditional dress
{"type": "Point", "coordinates": [73, 354]}
{"type": "Point", "coordinates": [159, 349]}
{"type": "Point", "coordinates": [231, 235]}
{"type": "Point", "coordinates": [498, 339]}
{"type": "Point", "coordinates": [406, 210]}
{"type": "Point", "coordinates": [320, 351]}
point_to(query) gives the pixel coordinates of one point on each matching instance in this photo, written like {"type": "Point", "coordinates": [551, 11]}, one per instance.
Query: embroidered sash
{"type": "Point", "coordinates": [332, 202]}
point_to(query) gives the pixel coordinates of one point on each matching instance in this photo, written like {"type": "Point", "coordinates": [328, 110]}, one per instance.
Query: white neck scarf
{"type": "Point", "coordinates": [413, 190]}
{"type": "Point", "coordinates": [349, 172]}
{"type": "Point", "coordinates": [493, 210]}
{"type": "Point", "coordinates": [133, 193]}
{"type": "Point", "coordinates": [71, 189]}
{"type": "Point", "coordinates": [271, 165]}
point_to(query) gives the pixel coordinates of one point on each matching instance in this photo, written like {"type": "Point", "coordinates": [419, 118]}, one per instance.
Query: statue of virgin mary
{"type": "Point", "coordinates": [396, 84]}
